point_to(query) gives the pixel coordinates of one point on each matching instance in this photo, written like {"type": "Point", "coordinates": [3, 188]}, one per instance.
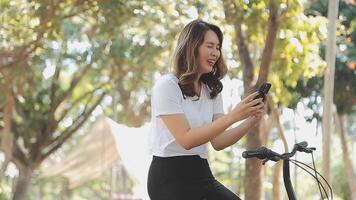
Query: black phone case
{"type": "Point", "coordinates": [263, 90]}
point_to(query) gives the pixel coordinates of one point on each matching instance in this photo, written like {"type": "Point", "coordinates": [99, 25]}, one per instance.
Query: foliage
{"type": "Point", "coordinates": [296, 45]}
{"type": "Point", "coordinates": [110, 53]}
{"type": "Point", "coordinates": [345, 73]}
{"type": "Point", "coordinates": [296, 52]}
{"type": "Point", "coordinates": [75, 53]}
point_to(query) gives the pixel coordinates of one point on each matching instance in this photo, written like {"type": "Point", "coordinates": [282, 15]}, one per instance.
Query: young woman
{"type": "Point", "coordinates": [187, 113]}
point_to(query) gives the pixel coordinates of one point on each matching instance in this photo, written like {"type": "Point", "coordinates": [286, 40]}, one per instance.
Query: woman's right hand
{"type": "Point", "coordinates": [246, 108]}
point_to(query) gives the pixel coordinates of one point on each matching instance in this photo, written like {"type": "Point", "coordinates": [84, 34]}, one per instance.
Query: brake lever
{"type": "Point", "coordinates": [264, 161]}
{"type": "Point", "coordinates": [307, 149]}
{"type": "Point", "coordinates": [310, 149]}
{"type": "Point", "coordinates": [274, 158]}
{"type": "Point", "coordinates": [303, 147]}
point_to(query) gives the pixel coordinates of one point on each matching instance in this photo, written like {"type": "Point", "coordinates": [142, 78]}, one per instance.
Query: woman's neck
{"type": "Point", "coordinates": [197, 87]}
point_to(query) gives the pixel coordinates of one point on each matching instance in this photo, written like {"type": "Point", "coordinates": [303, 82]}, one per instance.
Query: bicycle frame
{"type": "Point", "coordinates": [287, 181]}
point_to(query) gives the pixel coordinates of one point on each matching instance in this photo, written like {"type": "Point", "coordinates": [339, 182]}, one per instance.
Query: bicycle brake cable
{"type": "Point", "coordinates": [314, 176]}
{"type": "Point", "coordinates": [295, 163]}
{"type": "Point", "coordinates": [331, 192]}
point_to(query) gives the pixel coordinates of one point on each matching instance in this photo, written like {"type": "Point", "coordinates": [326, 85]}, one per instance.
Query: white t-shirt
{"type": "Point", "coordinates": [167, 98]}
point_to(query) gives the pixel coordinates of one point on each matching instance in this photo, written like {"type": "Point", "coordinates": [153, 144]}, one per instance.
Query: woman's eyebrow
{"type": "Point", "coordinates": [213, 43]}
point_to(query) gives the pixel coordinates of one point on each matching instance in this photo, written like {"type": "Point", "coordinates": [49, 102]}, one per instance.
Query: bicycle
{"type": "Point", "coordinates": [266, 154]}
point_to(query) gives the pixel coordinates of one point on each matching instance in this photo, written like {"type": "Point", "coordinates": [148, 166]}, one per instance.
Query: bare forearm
{"type": "Point", "coordinates": [192, 137]}
{"type": "Point", "coordinates": [200, 135]}
{"type": "Point", "coordinates": [231, 136]}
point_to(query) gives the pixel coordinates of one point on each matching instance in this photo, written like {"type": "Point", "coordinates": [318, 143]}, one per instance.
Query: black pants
{"type": "Point", "coordinates": [184, 178]}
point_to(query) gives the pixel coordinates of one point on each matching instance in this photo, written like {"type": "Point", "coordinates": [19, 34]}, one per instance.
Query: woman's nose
{"type": "Point", "coordinates": [215, 53]}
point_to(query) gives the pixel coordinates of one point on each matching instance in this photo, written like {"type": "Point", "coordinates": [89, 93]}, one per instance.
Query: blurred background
{"type": "Point", "coordinates": [76, 78]}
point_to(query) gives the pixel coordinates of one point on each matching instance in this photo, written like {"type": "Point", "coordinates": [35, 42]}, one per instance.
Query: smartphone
{"type": "Point", "coordinates": [263, 90]}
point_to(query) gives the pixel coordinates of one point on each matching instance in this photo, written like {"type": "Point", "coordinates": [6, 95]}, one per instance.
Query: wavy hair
{"type": "Point", "coordinates": [185, 62]}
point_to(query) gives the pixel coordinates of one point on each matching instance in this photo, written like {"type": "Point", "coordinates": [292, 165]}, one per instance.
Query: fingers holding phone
{"type": "Point", "coordinates": [262, 93]}
{"type": "Point", "coordinates": [263, 90]}
{"type": "Point", "coordinates": [252, 105]}
{"type": "Point", "coordinates": [246, 108]}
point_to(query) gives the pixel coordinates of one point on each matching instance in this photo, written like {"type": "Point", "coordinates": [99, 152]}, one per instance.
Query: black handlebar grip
{"type": "Point", "coordinates": [303, 147]}
{"type": "Point", "coordinates": [258, 153]}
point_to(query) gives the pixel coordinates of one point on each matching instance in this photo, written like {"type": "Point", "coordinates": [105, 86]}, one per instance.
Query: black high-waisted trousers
{"type": "Point", "coordinates": [184, 178]}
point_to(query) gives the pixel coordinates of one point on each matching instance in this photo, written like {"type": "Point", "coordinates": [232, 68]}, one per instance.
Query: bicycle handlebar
{"type": "Point", "coordinates": [265, 153]}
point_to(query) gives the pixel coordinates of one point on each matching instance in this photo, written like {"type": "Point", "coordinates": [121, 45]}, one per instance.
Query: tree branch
{"type": "Point", "coordinates": [42, 29]}
{"type": "Point", "coordinates": [273, 28]}
{"type": "Point", "coordinates": [19, 129]}
{"type": "Point", "coordinates": [276, 117]}
{"type": "Point", "coordinates": [75, 13]}
{"type": "Point", "coordinates": [5, 133]}
{"type": "Point", "coordinates": [50, 132]}
{"type": "Point", "coordinates": [79, 99]}
{"type": "Point", "coordinates": [78, 122]}
{"type": "Point", "coordinates": [54, 86]}
{"type": "Point", "coordinates": [75, 81]}
{"type": "Point", "coordinates": [18, 155]}
{"type": "Point", "coordinates": [235, 17]}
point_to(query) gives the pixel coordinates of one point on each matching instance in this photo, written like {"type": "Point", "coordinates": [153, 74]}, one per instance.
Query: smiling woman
{"type": "Point", "coordinates": [198, 54]}
{"type": "Point", "coordinates": [187, 113]}
{"type": "Point", "coordinates": [209, 52]}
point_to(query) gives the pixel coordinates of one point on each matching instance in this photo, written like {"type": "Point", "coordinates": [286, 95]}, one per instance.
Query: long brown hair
{"type": "Point", "coordinates": [185, 59]}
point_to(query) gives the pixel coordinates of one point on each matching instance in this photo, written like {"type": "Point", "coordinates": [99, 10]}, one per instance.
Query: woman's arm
{"type": "Point", "coordinates": [192, 137]}
{"type": "Point", "coordinates": [231, 136]}
{"type": "Point", "coordinates": [189, 138]}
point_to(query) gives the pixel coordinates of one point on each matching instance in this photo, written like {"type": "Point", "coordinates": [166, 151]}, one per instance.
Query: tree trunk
{"type": "Point", "coordinates": [22, 183]}
{"type": "Point", "coordinates": [253, 168]}
{"type": "Point", "coordinates": [277, 171]}
{"type": "Point", "coordinates": [329, 85]}
{"type": "Point", "coordinates": [276, 181]}
{"type": "Point", "coordinates": [265, 127]}
{"type": "Point", "coordinates": [5, 133]}
{"type": "Point", "coordinates": [254, 178]}
{"type": "Point", "coordinates": [349, 170]}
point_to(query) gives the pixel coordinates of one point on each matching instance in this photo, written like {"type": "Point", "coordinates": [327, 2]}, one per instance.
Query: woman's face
{"type": "Point", "coordinates": [209, 52]}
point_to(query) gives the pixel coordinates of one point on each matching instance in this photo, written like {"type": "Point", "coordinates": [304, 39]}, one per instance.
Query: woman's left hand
{"type": "Point", "coordinates": [258, 115]}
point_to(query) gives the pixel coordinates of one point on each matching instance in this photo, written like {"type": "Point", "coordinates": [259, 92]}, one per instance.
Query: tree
{"type": "Point", "coordinates": [270, 36]}
{"type": "Point", "coordinates": [71, 59]}
{"type": "Point", "coordinates": [48, 106]}
{"type": "Point", "coordinates": [76, 54]}
{"type": "Point", "coordinates": [329, 86]}
{"type": "Point", "coordinates": [344, 93]}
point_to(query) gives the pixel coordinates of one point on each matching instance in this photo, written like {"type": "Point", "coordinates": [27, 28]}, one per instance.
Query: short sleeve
{"type": "Point", "coordinates": [166, 98]}
{"type": "Point", "coordinates": [218, 105]}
